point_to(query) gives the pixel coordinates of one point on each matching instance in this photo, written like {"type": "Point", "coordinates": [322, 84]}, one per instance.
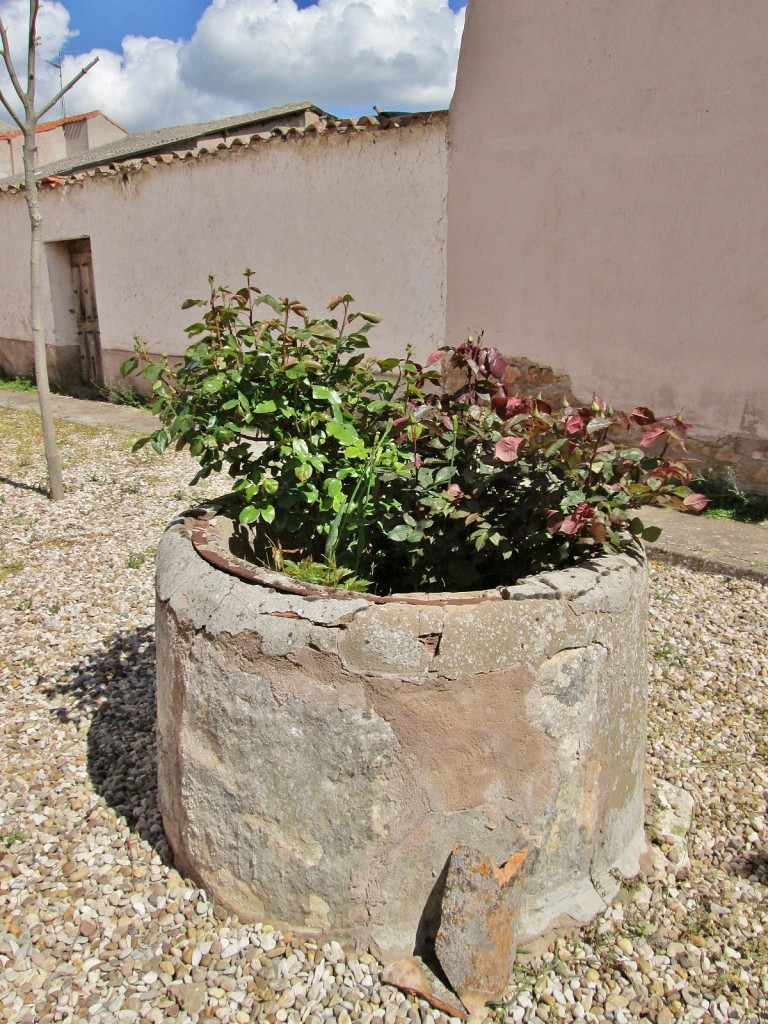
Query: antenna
{"type": "Point", "coordinates": [56, 65]}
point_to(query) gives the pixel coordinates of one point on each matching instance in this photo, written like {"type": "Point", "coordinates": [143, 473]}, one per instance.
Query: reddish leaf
{"type": "Point", "coordinates": [554, 518]}
{"type": "Point", "coordinates": [695, 502]}
{"type": "Point", "coordinates": [515, 406]}
{"type": "Point", "coordinates": [499, 403]}
{"type": "Point", "coordinates": [584, 511]}
{"type": "Point", "coordinates": [435, 357]}
{"type": "Point", "coordinates": [495, 363]}
{"type": "Point", "coordinates": [507, 448]}
{"type": "Point", "coordinates": [643, 416]}
{"type": "Point", "coordinates": [599, 532]}
{"type": "Point", "coordinates": [681, 425]}
{"type": "Point", "coordinates": [651, 435]}
{"type": "Point", "coordinates": [574, 424]}
{"type": "Point", "coordinates": [570, 525]}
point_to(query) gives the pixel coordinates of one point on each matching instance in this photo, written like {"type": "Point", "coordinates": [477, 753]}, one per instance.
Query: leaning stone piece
{"type": "Point", "coordinates": [477, 936]}
{"type": "Point", "coordinates": [410, 974]}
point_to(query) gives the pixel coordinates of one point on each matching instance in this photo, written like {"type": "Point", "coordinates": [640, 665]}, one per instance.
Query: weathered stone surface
{"type": "Point", "coordinates": [489, 636]}
{"type": "Point", "coordinates": [670, 816]}
{"type": "Point", "coordinates": [190, 997]}
{"type": "Point", "coordinates": [318, 772]}
{"type": "Point", "coordinates": [477, 936]}
{"type": "Point", "coordinates": [389, 640]}
{"type": "Point", "coordinates": [410, 974]}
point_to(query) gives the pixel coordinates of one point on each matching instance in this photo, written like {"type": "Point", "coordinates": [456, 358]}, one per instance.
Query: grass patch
{"type": "Point", "coordinates": [324, 574]}
{"type": "Point", "coordinates": [9, 567]}
{"type": "Point", "coordinates": [16, 383]}
{"type": "Point", "coordinates": [728, 501]}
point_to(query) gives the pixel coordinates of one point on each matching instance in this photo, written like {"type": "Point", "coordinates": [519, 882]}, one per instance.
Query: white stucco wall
{"type": "Point", "coordinates": [362, 212]}
{"type": "Point", "coordinates": [607, 202]}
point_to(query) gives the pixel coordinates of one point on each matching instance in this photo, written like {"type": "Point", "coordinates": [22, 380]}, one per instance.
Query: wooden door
{"type": "Point", "coordinates": [85, 311]}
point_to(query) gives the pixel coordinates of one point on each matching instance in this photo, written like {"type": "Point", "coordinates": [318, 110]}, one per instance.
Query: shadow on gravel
{"type": "Point", "coordinates": [24, 487]}
{"type": "Point", "coordinates": [115, 689]}
{"type": "Point", "coordinates": [755, 866]}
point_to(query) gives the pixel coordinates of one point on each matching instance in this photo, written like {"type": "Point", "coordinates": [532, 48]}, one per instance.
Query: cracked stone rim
{"type": "Point", "coordinates": [212, 547]}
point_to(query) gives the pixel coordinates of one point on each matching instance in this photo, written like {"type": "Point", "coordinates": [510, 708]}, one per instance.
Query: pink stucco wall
{"type": "Point", "coordinates": [607, 208]}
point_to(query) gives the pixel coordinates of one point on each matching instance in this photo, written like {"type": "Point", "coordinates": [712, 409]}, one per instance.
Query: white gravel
{"type": "Point", "coordinates": [95, 925]}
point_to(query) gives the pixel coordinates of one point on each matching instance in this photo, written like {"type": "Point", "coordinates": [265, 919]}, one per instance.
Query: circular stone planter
{"type": "Point", "coordinates": [320, 752]}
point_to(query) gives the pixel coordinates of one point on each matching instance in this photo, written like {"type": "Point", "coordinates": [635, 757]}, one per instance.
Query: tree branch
{"type": "Point", "coordinates": [67, 87]}
{"type": "Point", "coordinates": [6, 52]}
{"type": "Point", "coordinates": [34, 7]}
{"type": "Point", "coordinates": [9, 108]}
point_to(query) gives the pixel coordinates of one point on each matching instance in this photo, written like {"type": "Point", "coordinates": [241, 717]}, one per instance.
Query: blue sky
{"type": "Point", "coordinates": [164, 62]}
{"type": "Point", "coordinates": [104, 23]}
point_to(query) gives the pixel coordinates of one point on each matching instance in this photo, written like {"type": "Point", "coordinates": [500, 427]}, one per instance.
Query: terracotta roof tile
{"type": "Point", "coordinates": [48, 126]}
{"type": "Point", "coordinates": [325, 126]}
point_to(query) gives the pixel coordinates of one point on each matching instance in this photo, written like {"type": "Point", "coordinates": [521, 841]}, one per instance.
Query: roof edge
{"type": "Point", "coordinates": [326, 125]}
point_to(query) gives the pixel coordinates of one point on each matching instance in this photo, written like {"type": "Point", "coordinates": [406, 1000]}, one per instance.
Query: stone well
{"type": "Point", "coordinates": [321, 753]}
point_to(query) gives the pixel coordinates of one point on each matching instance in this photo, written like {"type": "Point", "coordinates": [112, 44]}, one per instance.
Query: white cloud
{"type": "Point", "coordinates": [249, 54]}
{"type": "Point", "coordinates": [140, 87]}
{"type": "Point", "coordinates": [352, 53]}
{"type": "Point", "coordinates": [54, 34]}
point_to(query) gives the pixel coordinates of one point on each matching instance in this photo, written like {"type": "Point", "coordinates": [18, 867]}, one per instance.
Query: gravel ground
{"type": "Point", "coordinates": [96, 925]}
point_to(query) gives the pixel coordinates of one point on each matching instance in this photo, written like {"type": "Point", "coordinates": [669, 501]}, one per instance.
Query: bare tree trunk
{"type": "Point", "coordinates": [28, 128]}
{"type": "Point", "coordinates": [52, 458]}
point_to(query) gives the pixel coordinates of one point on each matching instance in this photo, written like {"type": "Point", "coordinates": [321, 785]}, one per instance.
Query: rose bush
{"type": "Point", "coordinates": [433, 477]}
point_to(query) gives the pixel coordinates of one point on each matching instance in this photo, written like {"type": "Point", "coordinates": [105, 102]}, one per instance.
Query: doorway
{"type": "Point", "coordinates": [86, 314]}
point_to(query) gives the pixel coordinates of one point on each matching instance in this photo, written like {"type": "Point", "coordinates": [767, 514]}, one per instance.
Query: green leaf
{"type": "Point", "coordinates": [273, 303]}
{"type": "Point", "coordinates": [212, 385]}
{"type": "Point", "coordinates": [635, 527]}
{"type": "Point", "coordinates": [159, 441]}
{"type": "Point", "coordinates": [385, 365]}
{"type": "Point", "coordinates": [556, 446]}
{"type": "Point", "coordinates": [399, 533]}
{"type": "Point", "coordinates": [326, 394]}
{"type": "Point", "coordinates": [633, 454]}
{"type": "Point", "coordinates": [651, 533]}
{"type": "Point", "coordinates": [153, 371]}
{"type": "Point", "coordinates": [253, 512]}
{"type": "Point", "coordinates": [322, 331]}
{"type": "Point", "coordinates": [266, 406]}
{"type": "Point", "coordinates": [344, 433]}
{"type": "Point", "coordinates": [128, 366]}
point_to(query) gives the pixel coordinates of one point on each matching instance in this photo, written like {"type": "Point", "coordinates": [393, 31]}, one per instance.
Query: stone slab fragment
{"type": "Point", "coordinates": [410, 974]}
{"type": "Point", "coordinates": [476, 939]}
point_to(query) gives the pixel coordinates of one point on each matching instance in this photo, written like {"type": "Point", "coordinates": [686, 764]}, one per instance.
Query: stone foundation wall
{"type": "Point", "coordinates": [321, 753]}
